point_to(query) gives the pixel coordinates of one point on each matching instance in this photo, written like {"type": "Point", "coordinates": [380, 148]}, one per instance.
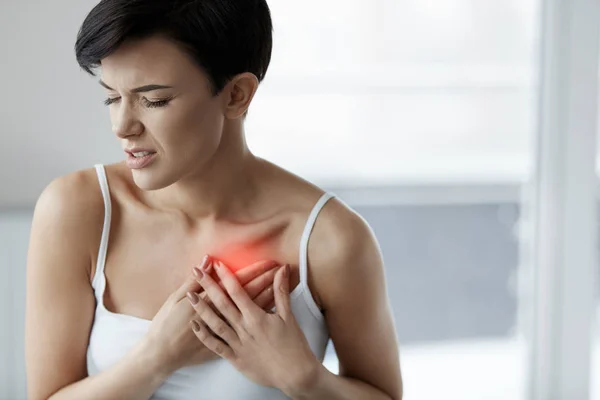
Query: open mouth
{"type": "Point", "coordinates": [142, 154]}
{"type": "Point", "coordinates": [140, 159]}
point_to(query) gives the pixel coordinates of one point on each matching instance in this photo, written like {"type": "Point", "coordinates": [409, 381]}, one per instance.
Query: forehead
{"type": "Point", "coordinates": [150, 59]}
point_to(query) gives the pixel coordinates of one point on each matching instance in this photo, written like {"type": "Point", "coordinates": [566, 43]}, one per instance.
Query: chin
{"type": "Point", "coordinates": [150, 179]}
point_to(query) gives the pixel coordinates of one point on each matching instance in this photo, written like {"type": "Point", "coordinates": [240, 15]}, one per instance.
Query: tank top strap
{"type": "Point", "coordinates": [303, 266]}
{"type": "Point", "coordinates": [99, 280]}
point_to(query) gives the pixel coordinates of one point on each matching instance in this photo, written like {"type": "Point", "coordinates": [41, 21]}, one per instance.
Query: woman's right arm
{"type": "Point", "coordinates": [65, 236]}
{"type": "Point", "coordinates": [60, 301]}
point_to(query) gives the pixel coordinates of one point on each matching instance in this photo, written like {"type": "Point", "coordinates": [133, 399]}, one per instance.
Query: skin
{"type": "Point", "coordinates": [204, 194]}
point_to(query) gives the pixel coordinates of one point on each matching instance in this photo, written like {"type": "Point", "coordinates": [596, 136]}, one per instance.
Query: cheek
{"type": "Point", "coordinates": [188, 129]}
{"type": "Point", "coordinates": [112, 113]}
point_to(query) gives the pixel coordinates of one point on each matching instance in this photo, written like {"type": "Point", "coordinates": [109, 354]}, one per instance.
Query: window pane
{"type": "Point", "coordinates": [391, 91]}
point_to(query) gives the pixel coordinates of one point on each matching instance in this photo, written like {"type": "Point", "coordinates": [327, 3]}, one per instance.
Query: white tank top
{"type": "Point", "coordinates": [113, 335]}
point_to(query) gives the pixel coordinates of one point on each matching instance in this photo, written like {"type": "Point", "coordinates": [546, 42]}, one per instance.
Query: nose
{"type": "Point", "coordinates": [125, 124]}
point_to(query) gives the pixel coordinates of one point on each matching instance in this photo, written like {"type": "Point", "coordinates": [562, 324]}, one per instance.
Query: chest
{"type": "Point", "coordinates": [149, 258]}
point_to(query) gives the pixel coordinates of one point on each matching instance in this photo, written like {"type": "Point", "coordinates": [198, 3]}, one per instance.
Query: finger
{"type": "Point", "coordinates": [255, 270]}
{"type": "Point", "coordinates": [212, 320]}
{"type": "Point", "coordinates": [282, 292]}
{"type": "Point", "coordinates": [258, 279]}
{"type": "Point", "coordinates": [265, 298]}
{"type": "Point", "coordinates": [235, 291]}
{"type": "Point", "coordinates": [211, 342]}
{"type": "Point", "coordinates": [260, 283]}
{"type": "Point", "coordinates": [220, 299]}
{"type": "Point", "coordinates": [252, 274]}
{"type": "Point", "coordinates": [209, 302]}
{"type": "Point", "coordinates": [206, 268]}
{"type": "Point", "coordinates": [190, 284]}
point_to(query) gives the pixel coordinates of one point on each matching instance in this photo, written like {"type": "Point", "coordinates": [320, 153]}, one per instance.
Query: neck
{"type": "Point", "coordinates": [222, 186]}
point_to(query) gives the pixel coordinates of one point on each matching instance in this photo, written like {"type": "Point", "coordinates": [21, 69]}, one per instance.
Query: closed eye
{"type": "Point", "coordinates": [110, 101]}
{"type": "Point", "coordinates": [157, 103]}
{"type": "Point", "coordinates": [145, 101]}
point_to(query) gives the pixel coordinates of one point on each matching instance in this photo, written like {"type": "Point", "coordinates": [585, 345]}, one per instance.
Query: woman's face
{"type": "Point", "coordinates": [161, 102]}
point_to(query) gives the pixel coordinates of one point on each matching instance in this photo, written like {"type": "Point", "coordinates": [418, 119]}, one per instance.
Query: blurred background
{"type": "Point", "coordinates": [423, 115]}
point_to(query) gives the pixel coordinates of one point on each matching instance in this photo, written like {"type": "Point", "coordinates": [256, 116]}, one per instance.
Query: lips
{"type": "Point", "coordinates": [141, 153]}
{"type": "Point", "coordinates": [143, 159]}
{"type": "Point", "coordinates": [133, 150]}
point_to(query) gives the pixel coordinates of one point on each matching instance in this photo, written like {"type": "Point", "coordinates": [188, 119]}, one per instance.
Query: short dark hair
{"type": "Point", "coordinates": [223, 37]}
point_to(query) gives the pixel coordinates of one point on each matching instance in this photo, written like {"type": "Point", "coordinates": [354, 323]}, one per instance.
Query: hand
{"type": "Point", "coordinates": [269, 349]}
{"type": "Point", "coordinates": [257, 280]}
{"type": "Point", "coordinates": [169, 336]}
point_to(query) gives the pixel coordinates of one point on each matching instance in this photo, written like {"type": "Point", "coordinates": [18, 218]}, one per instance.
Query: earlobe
{"type": "Point", "coordinates": [242, 89]}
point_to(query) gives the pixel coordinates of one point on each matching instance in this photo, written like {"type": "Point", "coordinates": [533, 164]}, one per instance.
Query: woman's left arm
{"type": "Point", "coordinates": [271, 350]}
{"type": "Point", "coordinates": [350, 280]}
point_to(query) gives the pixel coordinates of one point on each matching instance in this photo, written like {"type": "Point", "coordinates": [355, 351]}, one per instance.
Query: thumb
{"type": "Point", "coordinates": [281, 288]}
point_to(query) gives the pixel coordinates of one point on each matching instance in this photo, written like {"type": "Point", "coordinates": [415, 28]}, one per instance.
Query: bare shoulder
{"type": "Point", "coordinates": [71, 208]}
{"type": "Point", "coordinates": [77, 189]}
{"type": "Point", "coordinates": [340, 235]}
{"type": "Point", "coordinates": [76, 196]}
{"type": "Point", "coordinates": [343, 250]}
{"type": "Point", "coordinates": [342, 228]}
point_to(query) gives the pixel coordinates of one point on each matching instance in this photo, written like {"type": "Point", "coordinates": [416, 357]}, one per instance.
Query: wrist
{"type": "Point", "coordinates": [306, 381]}
{"type": "Point", "coordinates": [148, 355]}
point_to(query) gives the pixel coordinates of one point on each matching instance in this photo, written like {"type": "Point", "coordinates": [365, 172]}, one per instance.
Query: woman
{"type": "Point", "coordinates": [119, 254]}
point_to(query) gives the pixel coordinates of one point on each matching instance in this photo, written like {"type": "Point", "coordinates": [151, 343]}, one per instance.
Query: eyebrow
{"type": "Point", "coordinates": [141, 89]}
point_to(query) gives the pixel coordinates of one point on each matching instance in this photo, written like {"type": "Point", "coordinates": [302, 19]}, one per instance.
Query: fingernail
{"type": "Point", "coordinates": [193, 297]}
{"type": "Point", "coordinates": [205, 262]}
{"type": "Point", "coordinates": [286, 271]}
{"type": "Point", "coordinates": [198, 272]}
{"type": "Point", "coordinates": [206, 267]}
{"type": "Point", "coordinates": [195, 326]}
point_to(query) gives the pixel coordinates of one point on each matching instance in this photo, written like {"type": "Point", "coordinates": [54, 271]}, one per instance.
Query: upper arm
{"type": "Point", "coordinates": [354, 295]}
{"type": "Point", "coordinates": [59, 298]}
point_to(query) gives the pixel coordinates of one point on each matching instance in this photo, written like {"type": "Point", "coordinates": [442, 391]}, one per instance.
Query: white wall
{"type": "Point", "coordinates": [51, 117]}
{"type": "Point", "coordinates": [14, 238]}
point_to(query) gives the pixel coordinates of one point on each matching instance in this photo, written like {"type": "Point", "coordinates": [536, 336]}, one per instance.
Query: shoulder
{"type": "Point", "coordinates": [76, 194]}
{"type": "Point", "coordinates": [343, 252]}
{"type": "Point", "coordinates": [70, 211]}
{"type": "Point", "coordinates": [344, 231]}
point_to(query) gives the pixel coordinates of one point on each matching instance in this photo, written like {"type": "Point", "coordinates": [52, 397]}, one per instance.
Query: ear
{"type": "Point", "coordinates": [241, 91]}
